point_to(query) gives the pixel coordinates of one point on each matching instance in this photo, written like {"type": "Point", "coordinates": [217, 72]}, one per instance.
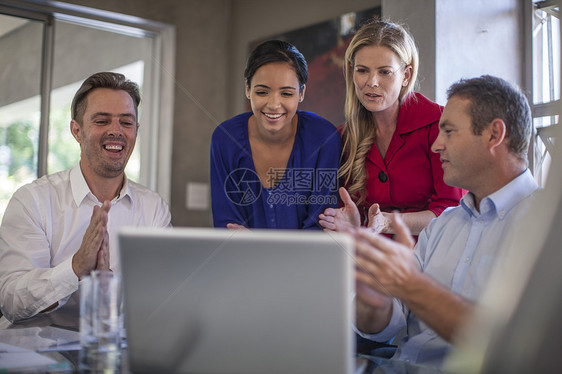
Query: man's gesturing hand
{"type": "Point", "coordinates": [94, 250]}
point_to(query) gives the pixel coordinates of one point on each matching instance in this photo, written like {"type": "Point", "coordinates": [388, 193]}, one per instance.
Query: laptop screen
{"type": "Point", "coordinates": [222, 301]}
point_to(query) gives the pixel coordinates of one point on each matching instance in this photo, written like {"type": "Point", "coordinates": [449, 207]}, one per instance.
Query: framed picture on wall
{"type": "Point", "coordinates": [323, 45]}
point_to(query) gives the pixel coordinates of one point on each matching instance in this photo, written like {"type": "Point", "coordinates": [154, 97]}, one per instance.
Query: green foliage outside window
{"type": "Point", "coordinates": [64, 150]}
{"type": "Point", "coordinates": [18, 141]}
{"type": "Point", "coordinates": [18, 152]}
{"type": "Point", "coordinates": [18, 158]}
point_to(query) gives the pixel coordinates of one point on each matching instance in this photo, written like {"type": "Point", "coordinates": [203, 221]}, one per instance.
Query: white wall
{"type": "Point", "coordinates": [462, 39]}
{"type": "Point", "coordinates": [478, 37]}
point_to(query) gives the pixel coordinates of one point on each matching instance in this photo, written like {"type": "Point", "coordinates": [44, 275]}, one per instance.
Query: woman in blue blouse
{"type": "Point", "coordinates": [276, 166]}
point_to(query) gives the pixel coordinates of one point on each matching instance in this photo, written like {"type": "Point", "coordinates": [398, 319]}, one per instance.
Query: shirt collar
{"type": "Point", "coordinates": [504, 199]}
{"type": "Point", "coordinates": [125, 192]}
{"type": "Point", "coordinates": [80, 189]}
{"type": "Point", "coordinates": [416, 111]}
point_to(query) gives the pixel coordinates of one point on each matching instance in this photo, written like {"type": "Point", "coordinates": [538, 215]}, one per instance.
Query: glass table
{"type": "Point", "coordinates": [62, 347]}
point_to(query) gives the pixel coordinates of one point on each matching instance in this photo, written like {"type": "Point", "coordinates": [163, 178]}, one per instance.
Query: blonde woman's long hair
{"type": "Point", "coordinates": [358, 134]}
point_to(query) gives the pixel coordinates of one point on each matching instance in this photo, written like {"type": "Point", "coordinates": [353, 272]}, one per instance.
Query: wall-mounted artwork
{"type": "Point", "coordinates": [323, 45]}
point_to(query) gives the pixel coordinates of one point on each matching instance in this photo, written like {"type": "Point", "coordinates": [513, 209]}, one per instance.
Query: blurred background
{"type": "Point", "coordinates": [189, 56]}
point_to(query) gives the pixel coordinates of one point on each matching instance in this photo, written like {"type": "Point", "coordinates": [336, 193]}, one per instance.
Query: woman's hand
{"type": "Point", "coordinates": [341, 219]}
{"type": "Point", "coordinates": [236, 226]}
{"type": "Point", "coordinates": [379, 222]}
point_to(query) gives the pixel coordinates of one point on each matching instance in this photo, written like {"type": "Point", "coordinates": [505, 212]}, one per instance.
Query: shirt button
{"type": "Point", "coordinates": [383, 177]}
{"type": "Point", "coordinates": [467, 259]}
{"type": "Point", "coordinates": [430, 332]}
{"type": "Point", "coordinates": [271, 206]}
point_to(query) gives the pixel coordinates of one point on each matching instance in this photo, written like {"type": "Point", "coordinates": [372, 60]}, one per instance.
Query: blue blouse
{"type": "Point", "coordinates": [308, 186]}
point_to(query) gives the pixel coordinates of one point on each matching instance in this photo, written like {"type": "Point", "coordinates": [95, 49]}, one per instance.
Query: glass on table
{"type": "Point", "coordinates": [100, 322]}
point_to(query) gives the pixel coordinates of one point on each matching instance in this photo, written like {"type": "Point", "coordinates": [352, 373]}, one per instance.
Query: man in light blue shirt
{"type": "Point", "coordinates": [483, 139]}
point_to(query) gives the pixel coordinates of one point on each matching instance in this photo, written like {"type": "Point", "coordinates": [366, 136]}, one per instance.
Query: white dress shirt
{"type": "Point", "coordinates": [43, 227]}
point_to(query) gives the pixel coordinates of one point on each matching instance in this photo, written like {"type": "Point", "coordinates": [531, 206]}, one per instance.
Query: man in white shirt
{"type": "Point", "coordinates": [59, 228]}
{"type": "Point", "coordinates": [483, 138]}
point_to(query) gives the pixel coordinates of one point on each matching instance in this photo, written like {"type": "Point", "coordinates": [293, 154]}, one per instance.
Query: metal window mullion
{"type": "Point", "coordinates": [45, 92]}
{"type": "Point", "coordinates": [528, 11]}
{"type": "Point", "coordinates": [550, 58]}
{"type": "Point", "coordinates": [546, 110]}
{"type": "Point", "coordinates": [154, 111]}
{"type": "Point", "coordinates": [548, 6]}
{"type": "Point", "coordinates": [550, 67]}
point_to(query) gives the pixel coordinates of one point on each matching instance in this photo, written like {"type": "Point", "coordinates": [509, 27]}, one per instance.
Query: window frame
{"type": "Point", "coordinates": [548, 109]}
{"type": "Point", "coordinates": [158, 91]}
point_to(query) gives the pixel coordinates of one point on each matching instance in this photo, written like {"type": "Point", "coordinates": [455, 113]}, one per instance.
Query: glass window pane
{"type": "Point", "coordinates": [546, 57]}
{"type": "Point", "coordinates": [20, 67]}
{"type": "Point", "coordinates": [544, 145]}
{"type": "Point", "coordinates": [79, 52]}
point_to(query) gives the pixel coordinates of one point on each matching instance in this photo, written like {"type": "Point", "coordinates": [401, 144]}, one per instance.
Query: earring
{"type": "Point", "coordinates": [405, 83]}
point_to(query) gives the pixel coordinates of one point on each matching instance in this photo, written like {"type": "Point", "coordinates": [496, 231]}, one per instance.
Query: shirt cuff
{"type": "Point", "coordinates": [397, 322]}
{"type": "Point", "coordinates": [65, 281]}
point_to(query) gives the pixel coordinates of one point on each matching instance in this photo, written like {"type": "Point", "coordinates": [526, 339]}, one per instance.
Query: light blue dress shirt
{"type": "Point", "coordinates": [458, 249]}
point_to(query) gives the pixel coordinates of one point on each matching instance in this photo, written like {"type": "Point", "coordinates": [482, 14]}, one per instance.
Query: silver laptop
{"type": "Point", "coordinates": [221, 301]}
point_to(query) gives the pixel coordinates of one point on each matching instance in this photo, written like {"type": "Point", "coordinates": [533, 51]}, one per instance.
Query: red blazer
{"type": "Point", "coordinates": [410, 178]}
